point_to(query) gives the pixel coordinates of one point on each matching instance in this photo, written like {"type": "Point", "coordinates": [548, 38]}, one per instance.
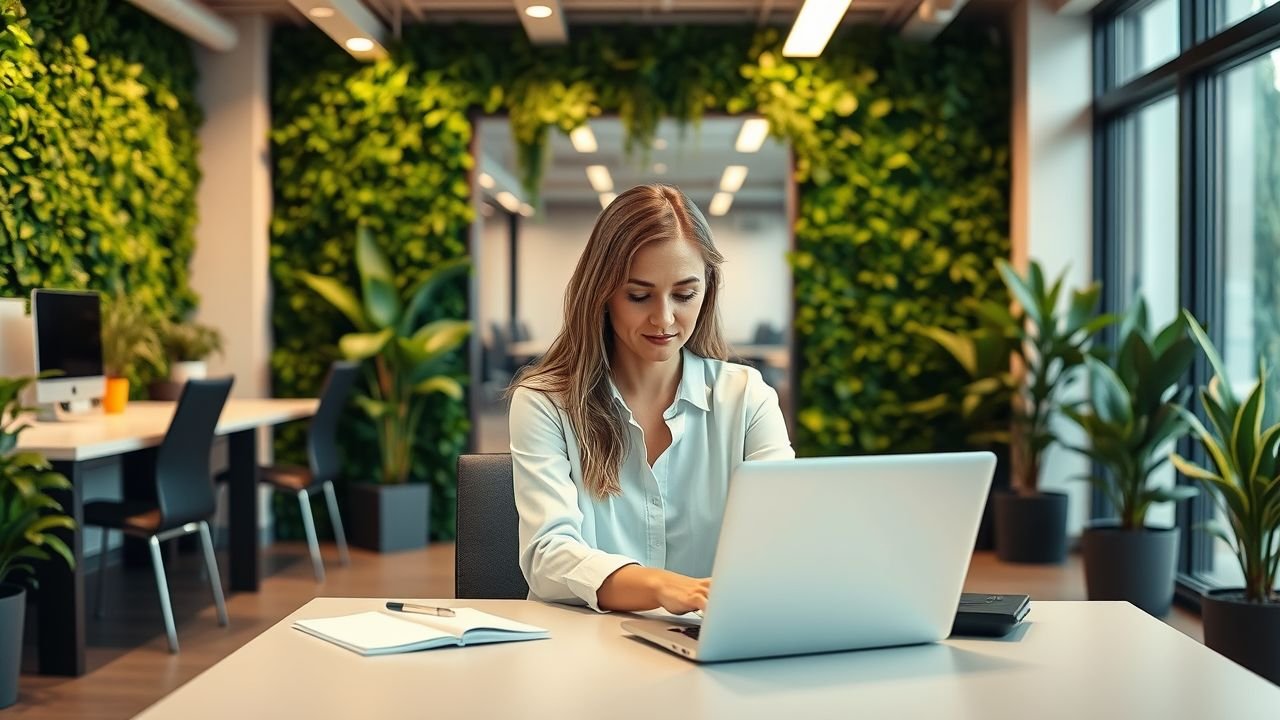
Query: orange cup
{"type": "Point", "coordinates": [117, 395]}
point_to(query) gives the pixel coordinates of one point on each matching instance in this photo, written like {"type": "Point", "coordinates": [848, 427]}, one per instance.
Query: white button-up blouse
{"type": "Point", "coordinates": [668, 516]}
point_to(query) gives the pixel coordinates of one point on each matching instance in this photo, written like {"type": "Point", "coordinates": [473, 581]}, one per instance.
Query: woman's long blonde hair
{"type": "Point", "coordinates": [575, 371]}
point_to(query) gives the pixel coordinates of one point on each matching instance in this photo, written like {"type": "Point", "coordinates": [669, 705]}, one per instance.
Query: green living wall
{"type": "Point", "coordinates": [902, 169]}
{"type": "Point", "coordinates": [98, 147]}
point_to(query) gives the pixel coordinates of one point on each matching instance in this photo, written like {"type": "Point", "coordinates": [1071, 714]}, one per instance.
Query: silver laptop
{"type": "Point", "coordinates": [826, 554]}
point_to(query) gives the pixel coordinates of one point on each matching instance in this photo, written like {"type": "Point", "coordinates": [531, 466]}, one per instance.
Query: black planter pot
{"type": "Point", "coordinates": [13, 603]}
{"type": "Point", "coordinates": [1248, 633]}
{"type": "Point", "coordinates": [1133, 565]}
{"type": "Point", "coordinates": [1031, 528]}
{"type": "Point", "coordinates": [387, 518]}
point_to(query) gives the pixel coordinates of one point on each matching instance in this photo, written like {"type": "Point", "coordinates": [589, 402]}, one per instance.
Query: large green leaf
{"type": "Point", "coordinates": [1027, 300]}
{"type": "Point", "coordinates": [339, 297]}
{"type": "Point", "coordinates": [441, 336]}
{"type": "Point", "coordinates": [1215, 361]}
{"type": "Point", "coordinates": [959, 347]}
{"type": "Point", "coordinates": [360, 346]}
{"type": "Point", "coordinates": [440, 384]}
{"type": "Point", "coordinates": [377, 281]}
{"type": "Point", "coordinates": [420, 295]}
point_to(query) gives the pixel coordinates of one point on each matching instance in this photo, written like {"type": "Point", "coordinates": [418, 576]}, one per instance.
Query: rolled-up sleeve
{"type": "Point", "coordinates": [558, 563]}
{"type": "Point", "coordinates": [766, 428]}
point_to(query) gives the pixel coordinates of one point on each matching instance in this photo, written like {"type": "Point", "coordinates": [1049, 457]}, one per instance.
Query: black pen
{"type": "Point", "coordinates": [423, 609]}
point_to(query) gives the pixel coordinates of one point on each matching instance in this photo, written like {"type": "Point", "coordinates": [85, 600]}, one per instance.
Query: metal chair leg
{"type": "Point", "coordinates": [99, 607]}
{"type": "Point", "coordinates": [211, 566]}
{"type": "Point", "coordinates": [309, 524]}
{"type": "Point", "coordinates": [341, 537]}
{"type": "Point", "coordinates": [162, 587]}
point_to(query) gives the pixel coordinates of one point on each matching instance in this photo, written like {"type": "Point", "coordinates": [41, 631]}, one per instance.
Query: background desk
{"type": "Point", "coordinates": [75, 446]}
{"type": "Point", "coordinates": [1072, 660]}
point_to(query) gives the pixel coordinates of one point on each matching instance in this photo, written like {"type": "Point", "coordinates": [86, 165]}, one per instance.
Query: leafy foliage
{"type": "Point", "coordinates": [189, 340]}
{"type": "Point", "coordinates": [130, 338]}
{"type": "Point", "coordinates": [28, 515]}
{"type": "Point", "coordinates": [1049, 345]}
{"type": "Point", "coordinates": [1245, 474]}
{"type": "Point", "coordinates": [410, 359]}
{"type": "Point", "coordinates": [98, 152]}
{"type": "Point", "coordinates": [1133, 413]}
{"type": "Point", "coordinates": [901, 163]}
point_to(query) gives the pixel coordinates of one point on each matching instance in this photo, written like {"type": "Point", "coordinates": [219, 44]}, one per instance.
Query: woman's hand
{"type": "Point", "coordinates": [679, 594]}
{"type": "Point", "coordinates": [633, 587]}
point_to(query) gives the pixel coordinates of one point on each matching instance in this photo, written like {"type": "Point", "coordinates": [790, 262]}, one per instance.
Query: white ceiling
{"type": "Point", "coordinates": [694, 162]}
{"type": "Point", "coordinates": [590, 12]}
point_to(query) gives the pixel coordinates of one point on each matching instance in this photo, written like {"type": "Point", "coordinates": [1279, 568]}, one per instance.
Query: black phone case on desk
{"type": "Point", "coordinates": [989, 615]}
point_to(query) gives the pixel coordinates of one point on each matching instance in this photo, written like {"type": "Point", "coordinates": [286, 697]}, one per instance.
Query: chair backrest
{"type": "Point", "coordinates": [184, 481]}
{"type": "Point", "coordinates": [487, 553]}
{"type": "Point", "coordinates": [322, 436]}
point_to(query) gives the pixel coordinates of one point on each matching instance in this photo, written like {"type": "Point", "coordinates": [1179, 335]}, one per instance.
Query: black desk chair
{"type": "Point", "coordinates": [487, 551]}
{"type": "Point", "coordinates": [323, 464]}
{"type": "Point", "coordinates": [185, 498]}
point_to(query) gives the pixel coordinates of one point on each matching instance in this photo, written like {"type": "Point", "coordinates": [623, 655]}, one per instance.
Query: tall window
{"type": "Point", "coordinates": [1187, 142]}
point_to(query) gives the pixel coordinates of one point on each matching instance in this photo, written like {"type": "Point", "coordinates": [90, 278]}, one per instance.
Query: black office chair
{"type": "Point", "coordinates": [185, 498]}
{"type": "Point", "coordinates": [323, 463]}
{"type": "Point", "coordinates": [487, 551]}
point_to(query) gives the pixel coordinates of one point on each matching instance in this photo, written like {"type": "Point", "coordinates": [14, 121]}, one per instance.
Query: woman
{"type": "Point", "coordinates": [624, 435]}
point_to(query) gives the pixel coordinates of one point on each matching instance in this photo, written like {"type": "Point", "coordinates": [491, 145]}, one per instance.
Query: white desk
{"type": "Point", "coordinates": [1072, 660]}
{"type": "Point", "coordinates": [79, 445]}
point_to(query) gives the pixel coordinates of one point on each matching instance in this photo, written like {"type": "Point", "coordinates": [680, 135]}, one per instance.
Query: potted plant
{"type": "Point", "coordinates": [1244, 478]}
{"type": "Point", "coordinates": [1031, 526]}
{"type": "Point", "coordinates": [187, 346]}
{"type": "Point", "coordinates": [130, 339]}
{"type": "Point", "coordinates": [28, 517]}
{"type": "Point", "coordinates": [406, 359]}
{"type": "Point", "coordinates": [1130, 418]}
{"type": "Point", "coordinates": [982, 404]}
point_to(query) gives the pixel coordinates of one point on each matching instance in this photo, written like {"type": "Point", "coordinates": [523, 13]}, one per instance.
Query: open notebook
{"type": "Point", "coordinates": [384, 633]}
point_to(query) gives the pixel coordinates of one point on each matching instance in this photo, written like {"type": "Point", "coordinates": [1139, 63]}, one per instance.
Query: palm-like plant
{"type": "Point", "coordinates": [1132, 414]}
{"type": "Point", "coordinates": [408, 356]}
{"type": "Point", "coordinates": [28, 516]}
{"type": "Point", "coordinates": [1049, 345]}
{"type": "Point", "coordinates": [1245, 474]}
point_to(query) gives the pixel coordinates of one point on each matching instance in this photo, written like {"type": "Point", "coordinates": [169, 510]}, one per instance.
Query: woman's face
{"type": "Point", "coordinates": [656, 309]}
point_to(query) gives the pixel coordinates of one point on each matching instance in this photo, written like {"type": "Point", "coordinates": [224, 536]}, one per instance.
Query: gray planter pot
{"type": "Point", "coordinates": [387, 518]}
{"type": "Point", "coordinates": [1248, 633]}
{"type": "Point", "coordinates": [1031, 528]}
{"type": "Point", "coordinates": [13, 604]}
{"type": "Point", "coordinates": [1133, 565]}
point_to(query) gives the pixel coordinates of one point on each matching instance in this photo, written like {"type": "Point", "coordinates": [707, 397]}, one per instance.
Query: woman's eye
{"type": "Point", "coordinates": [686, 298]}
{"type": "Point", "coordinates": [637, 298]}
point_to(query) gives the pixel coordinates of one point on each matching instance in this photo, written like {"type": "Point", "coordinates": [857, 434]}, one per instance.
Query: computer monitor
{"type": "Point", "coordinates": [68, 341]}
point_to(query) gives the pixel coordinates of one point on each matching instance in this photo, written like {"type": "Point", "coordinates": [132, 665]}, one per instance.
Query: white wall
{"type": "Point", "coordinates": [1051, 213]}
{"type": "Point", "coordinates": [754, 242]}
{"type": "Point", "coordinates": [230, 268]}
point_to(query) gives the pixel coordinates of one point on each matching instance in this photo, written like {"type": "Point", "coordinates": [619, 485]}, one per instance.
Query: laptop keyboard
{"type": "Point", "coordinates": [691, 631]}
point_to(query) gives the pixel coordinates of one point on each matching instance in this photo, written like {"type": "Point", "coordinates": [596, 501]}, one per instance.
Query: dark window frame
{"type": "Point", "coordinates": [1192, 75]}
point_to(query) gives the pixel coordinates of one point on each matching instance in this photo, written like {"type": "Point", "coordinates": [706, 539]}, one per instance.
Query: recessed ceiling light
{"type": "Point", "coordinates": [359, 44]}
{"type": "Point", "coordinates": [600, 179]}
{"type": "Point", "coordinates": [720, 203]}
{"type": "Point", "coordinates": [584, 141]}
{"type": "Point", "coordinates": [752, 135]}
{"type": "Point", "coordinates": [538, 11]}
{"type": "Point", "coordinates": [659, 144]}
{"type": "Point", "coordinates": [814, 25]}
{"type": "Point", "coordinates": [660, 168]}
{"type": "Point", "coordinates": [606, 198]}
{"type": "Point", "coordinates": [733, 177]}
{"type": "Point", "coordinates": [486, 181]}
{"type": "Point", "coordinates": [321, 12]}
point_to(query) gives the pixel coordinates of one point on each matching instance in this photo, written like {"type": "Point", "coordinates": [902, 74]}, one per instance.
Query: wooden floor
{"type": "Point", "coordinates": [131, 668]}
